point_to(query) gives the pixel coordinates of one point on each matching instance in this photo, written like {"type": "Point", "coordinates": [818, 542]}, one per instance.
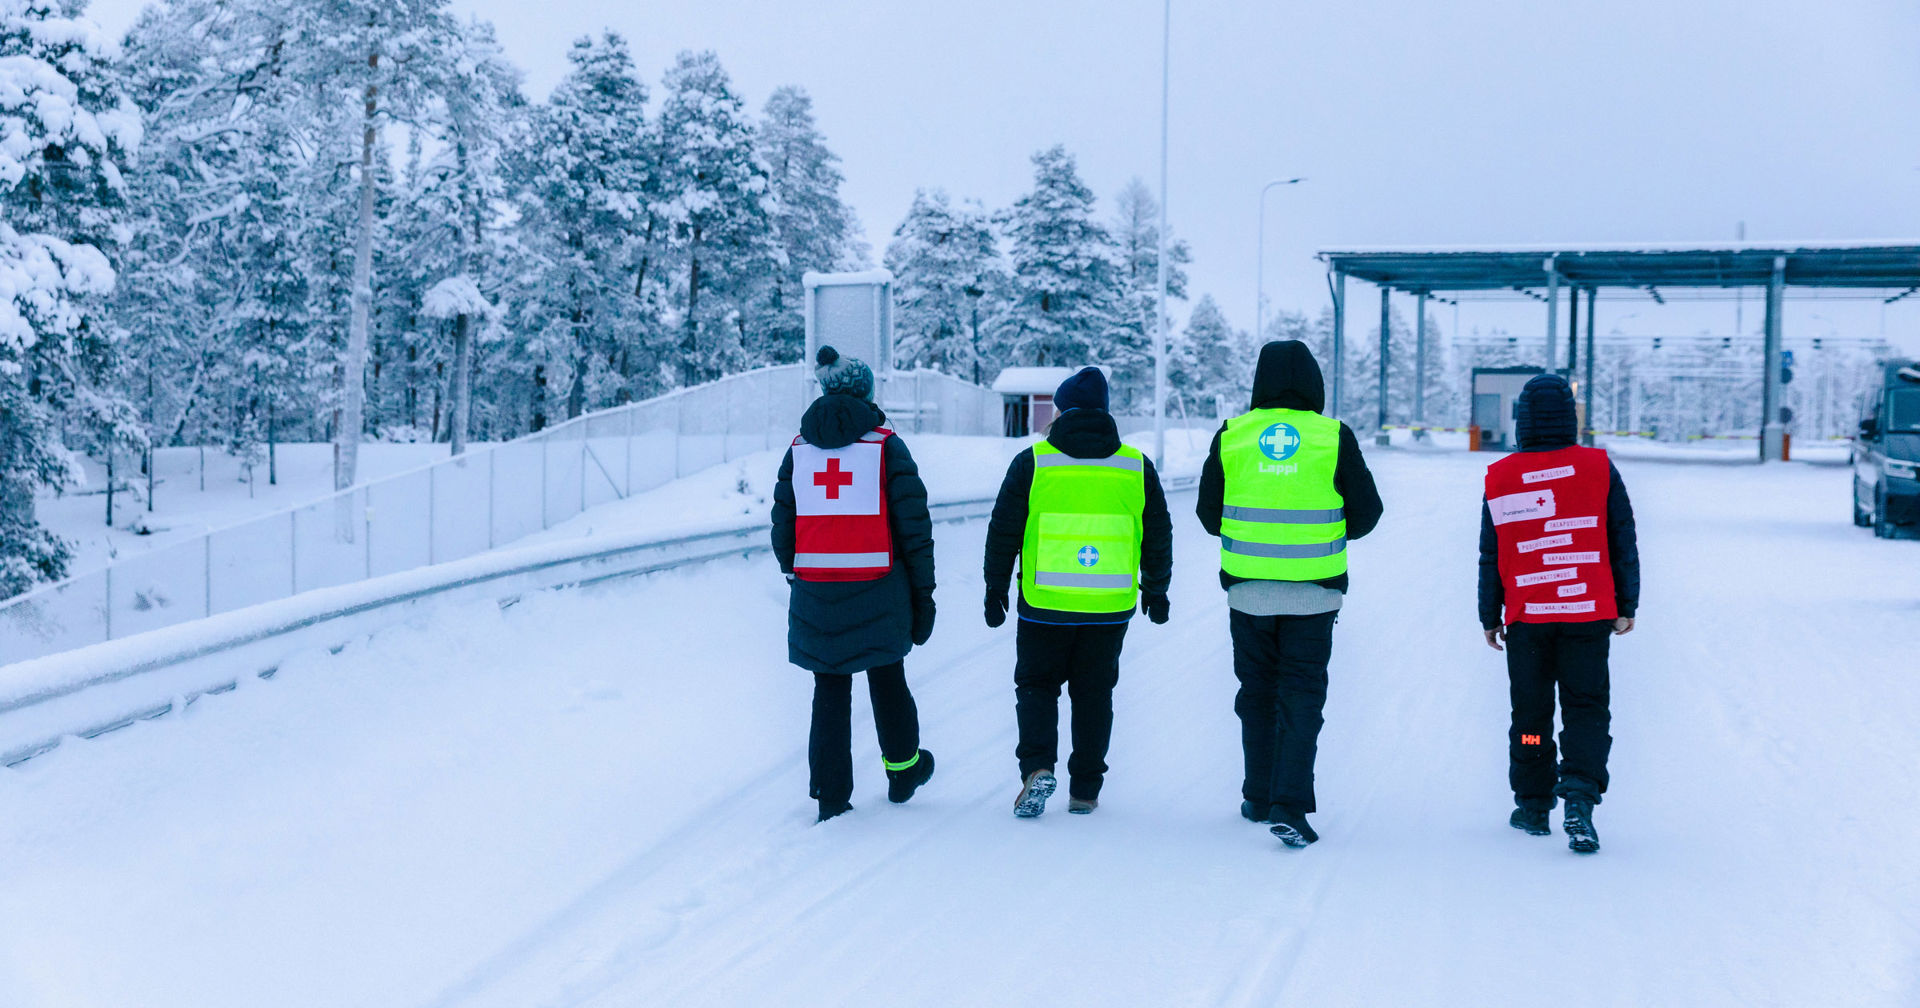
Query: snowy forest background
{"type": "Point", "coordinates": [256, 221]}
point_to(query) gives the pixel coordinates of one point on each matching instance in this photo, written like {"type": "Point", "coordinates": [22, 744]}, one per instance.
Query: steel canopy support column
{"type": "Point", "coordinates": [1553, 312]}
{"type": "Point", "coordinates": [1339, 283]}
{"type": "Point", "coordinates": [1386, 359]}
{"type": "Point", "coordinates": [1420, 361]}
{"type": "Point", "coordinates": [1573, 329]}
{"type": "Point", "coordinates": [1593, 300]}
{"type": "Point", "coordinates": [1772, 429]}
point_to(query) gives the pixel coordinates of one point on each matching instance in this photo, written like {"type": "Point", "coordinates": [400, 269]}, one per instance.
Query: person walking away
{"type": "Point", "coordinates": [1559, 556]}
{"type": "Point", "coordinates": [1087, 518]}
{"type": "Point", "coordinates": [1285, 488]}
{"type": "Point", "coordinates": [852, 534]}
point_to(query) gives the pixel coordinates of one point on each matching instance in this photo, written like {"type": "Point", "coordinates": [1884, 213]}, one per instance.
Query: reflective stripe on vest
{"type": "Point", "coordinates": [840, 511]}
{"type": "Point", "coordinates": [1549, 514]}
{"type": "Point", "coordinates": [1282, 519]}
{"type": "Point", "coordinates": [1305, 551]}
{"type": "Point", "coordinates": [1081, 553]}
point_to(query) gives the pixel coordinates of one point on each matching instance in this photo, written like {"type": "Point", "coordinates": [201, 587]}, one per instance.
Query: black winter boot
{"type": "Point", "coordinates": [1034, 792]}
{"type": "Point", "coordinates": [1253, 812]}
{"type": "Point", "coordinates": [1534, 821]}
{"type": "Point", "coordinates": [1578, 822]}
{"type": "Point", "coordinates": [830, 809]}
{"type": "Point", "coordinates": [903, 781]}
{"type": "Point", "coordinates": [1290, 825]}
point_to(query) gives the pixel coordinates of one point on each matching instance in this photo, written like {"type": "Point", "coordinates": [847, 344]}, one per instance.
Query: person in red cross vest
{"type": "Point", "coordinates": [1559, 574]}
{"type": "Point", "coordinates": [852, 534]}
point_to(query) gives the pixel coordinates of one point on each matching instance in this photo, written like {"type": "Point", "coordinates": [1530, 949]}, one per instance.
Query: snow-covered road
{"type": "Point", "coordinates": [599, 799]}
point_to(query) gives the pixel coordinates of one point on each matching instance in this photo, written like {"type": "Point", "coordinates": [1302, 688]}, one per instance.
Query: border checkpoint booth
{"type": "Point", "coordinates": [1495, 393]}
{"type": "Point", "coordinates": [1027, 394]}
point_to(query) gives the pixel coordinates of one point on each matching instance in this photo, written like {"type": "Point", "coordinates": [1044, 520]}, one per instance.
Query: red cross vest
{"type": "Point", "coordinates": [840, 504]}
{"type": "Point", "coordinates": [1549, 511]}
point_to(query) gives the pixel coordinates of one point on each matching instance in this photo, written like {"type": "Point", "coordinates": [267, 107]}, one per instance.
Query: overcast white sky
{"type": "Point", "coordinates": [1416, 123]}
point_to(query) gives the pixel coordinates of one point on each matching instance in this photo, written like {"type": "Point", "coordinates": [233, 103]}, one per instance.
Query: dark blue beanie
{"type": "Point", "coordinates": [1544, 415]}
{"type": "Point", "coordinates": [1086, 390]}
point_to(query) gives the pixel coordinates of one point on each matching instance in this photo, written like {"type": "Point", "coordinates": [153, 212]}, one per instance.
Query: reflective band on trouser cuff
{"type": "Point", "coordinates": [836, 561]}
{"type": "Point", "coordinates": [891, 765]}
{"type": "Point", "coordinates": [1115, 462]}
{"type": "Point", "coordinates": [1307, 551]}
{"type": "Point", "coordinates": [1115, 582]}
{"type": "Point", "coordinates": [1282, 516]}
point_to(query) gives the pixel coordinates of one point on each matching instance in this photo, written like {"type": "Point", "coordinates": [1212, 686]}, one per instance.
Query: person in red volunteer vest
{"type": "Point", "coordinates": [852, 534]}
{"type": "Point", "coordinates": [1559, 573]}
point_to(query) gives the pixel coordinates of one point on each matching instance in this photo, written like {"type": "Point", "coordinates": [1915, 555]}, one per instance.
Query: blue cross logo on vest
{"type": "Point", "coordinates": [1089, 556]}
{"type": "Point", "coordinates": [1280, 441]}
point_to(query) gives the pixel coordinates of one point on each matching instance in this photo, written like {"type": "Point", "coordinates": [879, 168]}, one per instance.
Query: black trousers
{"type": "Point", "coordinates": [830, 745]}
{"type": "Point", "coordinates": [1572, 657]}
{"type": "Point", "coordinates": [1281, 662]}
{"type": "Point", "coordinates": [1086, 660]}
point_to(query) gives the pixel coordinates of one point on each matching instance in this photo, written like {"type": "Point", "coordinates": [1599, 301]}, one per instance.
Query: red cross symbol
{"type": "Point", "coordinates": [1542, 502]}
{"type": "Point", "coordinates": [833, 479]}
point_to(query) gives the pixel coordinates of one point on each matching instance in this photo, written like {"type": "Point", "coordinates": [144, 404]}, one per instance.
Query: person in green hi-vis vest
{"type": "Point", "coordinates": [1088, 521]}
{"type": "Point", "coordinates": [1286, 489]}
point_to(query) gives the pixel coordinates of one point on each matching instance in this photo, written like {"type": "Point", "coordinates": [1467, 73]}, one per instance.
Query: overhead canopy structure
{"type": "Point", "coordinates": [1855, 265]}
{"type": "Point", "coordinates": [1541, 271]}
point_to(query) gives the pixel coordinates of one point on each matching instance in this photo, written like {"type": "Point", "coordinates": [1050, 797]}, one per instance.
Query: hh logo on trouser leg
{"type": "Point", "coordinates": [1529, 740]}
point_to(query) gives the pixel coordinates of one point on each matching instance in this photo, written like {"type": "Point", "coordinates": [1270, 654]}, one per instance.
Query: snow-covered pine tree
{"type": "Point", "coordinates": [67, 129]}
{"type": "Point", "coordinates": [945, 264]}
{"type": "Point", "coordinates": [1136, 235]}
{"type": "Point", "coordinates": [215, 285]}
{"type": "Point", "coordinates": [586, 182]}
{"type": "Point", "coordinates": [1066, 300]}
{"type": "Point", "coordinates": [1209, 365]}
{"type": "Point", "coordinates": [715, 199]}
{"type": "Point", "coordinates": [479, 117]}
{"type": "Point", "coordinates": [814, 229]}
{"type": "Point", "coordinates": [372, 57]}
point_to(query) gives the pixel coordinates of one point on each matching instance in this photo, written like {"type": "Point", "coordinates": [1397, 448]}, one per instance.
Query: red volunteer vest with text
{"type": "Point", "coordinates": [840, 502]}
{"type": "Point", "coordinates": [1549, 511]}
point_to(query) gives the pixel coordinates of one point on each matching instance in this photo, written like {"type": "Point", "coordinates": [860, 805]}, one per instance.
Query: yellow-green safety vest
{"type": "Point", "coordinates": [1282, 519]}
{"type": "Point", "coordinates": [1084, 520]}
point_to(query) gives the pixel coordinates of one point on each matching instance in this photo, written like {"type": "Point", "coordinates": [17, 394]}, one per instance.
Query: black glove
{"type": "Point", "coordinates": [1156, 606]}
{"type": "Point", "coordinates": [997, 603]}
{"type": "Point", "coordinates": [922, 621]}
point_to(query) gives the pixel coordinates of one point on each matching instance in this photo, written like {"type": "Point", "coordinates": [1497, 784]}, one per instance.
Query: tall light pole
{"type": "Point", "coordinates": [1260, 263]}
{"type": "Point", "coordinates": [1160, 307]}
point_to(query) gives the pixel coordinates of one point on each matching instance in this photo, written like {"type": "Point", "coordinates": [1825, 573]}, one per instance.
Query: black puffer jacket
{"type": "Point", "coordinates": [1081, 433]}
{"type": "Point", "coordinates": [1545, 420]}
{"type": "Point", "coordinates": [851, 626]}
{"type": "Point", "coordinates": [1288, 377]}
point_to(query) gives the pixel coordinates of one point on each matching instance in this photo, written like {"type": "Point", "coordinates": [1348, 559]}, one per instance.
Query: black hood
{"type": "Point", "coordinates": [1544, 417]}
{"type": "Point", "coordinates": [1085, 433]}
{"type": "Point", "coordinates": [836, 421]}
{"type": "Point", "coordinates": [1288, 378]}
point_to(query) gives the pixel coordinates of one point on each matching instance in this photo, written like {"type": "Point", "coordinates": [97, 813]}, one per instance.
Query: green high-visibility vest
{"type": "Point", "coordinates": [1084, 519]}
{"type": "Point", "coordinates": [1282, 520]}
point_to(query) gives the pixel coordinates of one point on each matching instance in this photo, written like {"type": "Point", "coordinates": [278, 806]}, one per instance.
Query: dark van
{"type": "Point", "coordinates": [1886, 457]}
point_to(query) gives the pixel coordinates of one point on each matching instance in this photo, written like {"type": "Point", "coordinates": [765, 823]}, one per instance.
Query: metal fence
{"type": "Point", "coordinates": [457, 507]}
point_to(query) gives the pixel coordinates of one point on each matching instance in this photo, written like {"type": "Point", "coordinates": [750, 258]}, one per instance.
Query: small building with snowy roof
{"type": "Point", "coordinates": [1028, 395]}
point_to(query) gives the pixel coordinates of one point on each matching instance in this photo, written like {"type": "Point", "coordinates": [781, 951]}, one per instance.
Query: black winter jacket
{"type": "Point", "coordinates": [1288, 377]}
{"type": "Point", "coordinates": [1546, 421]}
{"type": "Point", "coordinates": [1081, 433]}
{"type": "Point", "coordinates": [851, 626]}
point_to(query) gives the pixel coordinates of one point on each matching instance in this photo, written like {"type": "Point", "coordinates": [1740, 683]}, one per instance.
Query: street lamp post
{"type": "Point", "coordinates": [1160, 307]}
{"type": "Point", "coordinates": [1260, 262]}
